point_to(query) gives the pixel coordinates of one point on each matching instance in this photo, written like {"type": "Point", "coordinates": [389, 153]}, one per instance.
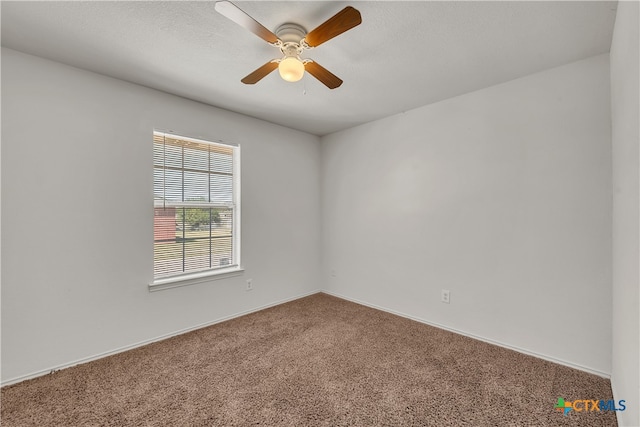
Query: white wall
{"type": "Point", "coordinates": [77, 209]}
{"type": "Point", "coordinates": [625, 377]}
{"type": "Point", "coordinates": [502, 196]}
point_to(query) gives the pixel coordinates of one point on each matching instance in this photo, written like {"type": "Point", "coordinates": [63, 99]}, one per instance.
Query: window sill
{"type": "Point", "coordinates": [192, 279]}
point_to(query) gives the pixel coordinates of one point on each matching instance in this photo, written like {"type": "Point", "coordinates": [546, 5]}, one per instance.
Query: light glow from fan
{"type": "Point", "coordinates": [291, 69]}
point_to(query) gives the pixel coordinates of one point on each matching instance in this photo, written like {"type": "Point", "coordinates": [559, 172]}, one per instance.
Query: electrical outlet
{"type": "Point", "coordinates": [249, 285]}
{"type": "Point", "coordinates": [445, 297]}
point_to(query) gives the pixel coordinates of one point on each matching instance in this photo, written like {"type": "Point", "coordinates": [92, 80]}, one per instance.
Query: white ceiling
{"type": "Point", "coordinates": [403, 55]}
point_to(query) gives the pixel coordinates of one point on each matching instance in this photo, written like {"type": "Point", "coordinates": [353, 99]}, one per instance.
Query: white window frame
{"type": "Point", "coordinates": [236, 269]}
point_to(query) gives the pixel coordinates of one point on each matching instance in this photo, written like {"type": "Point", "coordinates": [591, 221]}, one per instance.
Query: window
{"type": "Point", "coordinates": [196, 208]}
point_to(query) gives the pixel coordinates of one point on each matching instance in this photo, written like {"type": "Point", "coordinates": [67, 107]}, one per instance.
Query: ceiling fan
{"type": "Point", "coordinates": [292, 40]}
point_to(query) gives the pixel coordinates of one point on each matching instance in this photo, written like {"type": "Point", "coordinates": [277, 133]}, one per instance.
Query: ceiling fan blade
{"type": "Point", "coordinates": [231, 11]}
{"type": "Point", "coordinates": [342, 21]}
{"type": "Point", "coordinates": [322, 74]}
{"type": "Point", "coordinates": [260, 73]}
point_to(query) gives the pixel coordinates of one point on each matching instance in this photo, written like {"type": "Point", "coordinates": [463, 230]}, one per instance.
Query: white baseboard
{"type": "Point", "coordinates": [149, 341]}
{"type": "Point", "coordinates": [466, 334]}
{"type": "Point", "coordinates": [243, 313]}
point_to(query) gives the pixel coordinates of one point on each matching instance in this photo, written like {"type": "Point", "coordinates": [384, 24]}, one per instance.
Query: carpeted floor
{"type": "Point", "coordinates": [316, 361]}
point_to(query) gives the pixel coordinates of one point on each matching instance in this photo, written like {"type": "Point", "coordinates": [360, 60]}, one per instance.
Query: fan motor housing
{"type": "Point", "coordinates": [290, 32]}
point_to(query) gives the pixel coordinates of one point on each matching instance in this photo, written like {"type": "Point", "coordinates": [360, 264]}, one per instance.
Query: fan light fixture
{"type": "Point", "coordinates": [291, 69]}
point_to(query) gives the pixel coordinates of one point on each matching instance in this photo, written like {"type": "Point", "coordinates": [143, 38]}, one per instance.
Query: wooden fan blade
{"type": "Point", "coordinates": [342, 21]}
{"type": "Point", "coordinates": [322, 74]}
{"type": "Point", "coordinates": [231, 11]}
{"type": "Point", "coordinates": [260, 73]}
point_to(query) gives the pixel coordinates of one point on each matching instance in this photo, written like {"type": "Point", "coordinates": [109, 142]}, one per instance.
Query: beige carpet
{"type": "Point", "coordinates": [316, 361]}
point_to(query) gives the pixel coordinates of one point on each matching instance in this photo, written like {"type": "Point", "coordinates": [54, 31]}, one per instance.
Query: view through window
{"type": "Point", "coordinates": [195, 186]}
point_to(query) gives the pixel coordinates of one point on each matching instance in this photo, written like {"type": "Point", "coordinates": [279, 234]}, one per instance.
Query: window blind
{"type": "Point", "coordinates": [194, 205]}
